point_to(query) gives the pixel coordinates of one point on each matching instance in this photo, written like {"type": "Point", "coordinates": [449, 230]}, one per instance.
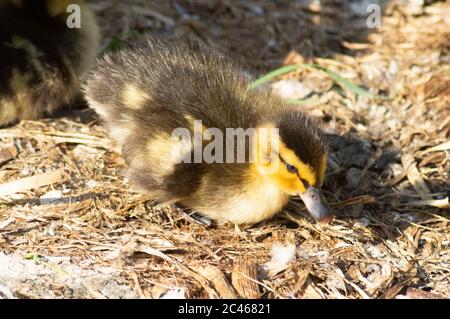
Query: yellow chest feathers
{"type": "Point", "coordinates": [261, 201]}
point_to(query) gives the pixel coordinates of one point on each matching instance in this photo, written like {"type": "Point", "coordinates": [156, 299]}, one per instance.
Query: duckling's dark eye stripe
{"type": "Point", "coordinates": [282, 159]}
{"type": "Point", "coordinates": [305, 182]}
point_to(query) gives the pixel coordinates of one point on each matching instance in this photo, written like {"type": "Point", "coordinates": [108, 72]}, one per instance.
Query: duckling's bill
{"type": "Point", "coordinates": [316, 204]}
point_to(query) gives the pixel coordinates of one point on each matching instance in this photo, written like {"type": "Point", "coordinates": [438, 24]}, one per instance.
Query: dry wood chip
{"type": "Point", "coordinates": [206, 284]}
{"type": "Point", "coordinates": [33, 182]}
{"type": "Point", "coordinates": [218, 279]}
{"type": "Point", "coordinates": [244, 277]}
{"type": "Point", "coordinates": [7, 154]}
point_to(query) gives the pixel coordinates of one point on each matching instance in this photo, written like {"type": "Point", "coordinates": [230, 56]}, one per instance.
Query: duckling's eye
{"type": "Point", "coordinates": [291, 168]}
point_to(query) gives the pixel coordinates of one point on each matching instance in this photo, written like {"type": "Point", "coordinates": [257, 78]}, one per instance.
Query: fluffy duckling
{"type": "Point", "coordinates": [171, 105]}
{"type": "Point", "coordinates": [42, 55]}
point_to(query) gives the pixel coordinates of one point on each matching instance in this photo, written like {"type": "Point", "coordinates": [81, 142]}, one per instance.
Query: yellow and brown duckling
{"type": "Point", "coordinates": [156, 96]}
{"type": "Point", "coordinates": [42, 55]}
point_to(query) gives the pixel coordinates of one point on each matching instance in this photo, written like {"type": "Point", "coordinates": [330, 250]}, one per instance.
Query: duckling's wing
{"type": "Point", "coordinates": [144, 130]}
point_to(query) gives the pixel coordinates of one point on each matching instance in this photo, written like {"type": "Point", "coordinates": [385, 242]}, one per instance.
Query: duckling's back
{"type": "Point", "coordinates": [183, 79]}
{"type": "Point", "coordinates": [42, 57]}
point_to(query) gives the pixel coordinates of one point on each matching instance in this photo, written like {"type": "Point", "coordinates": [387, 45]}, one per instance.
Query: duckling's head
{"type": "Point", "coordinates": [292, 154]}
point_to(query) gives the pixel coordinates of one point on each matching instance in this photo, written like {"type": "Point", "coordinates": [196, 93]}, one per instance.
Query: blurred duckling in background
{"type": "Point", "coordinates": [148, 91]}
{"type": "Point", "coordinates": [42, 57]}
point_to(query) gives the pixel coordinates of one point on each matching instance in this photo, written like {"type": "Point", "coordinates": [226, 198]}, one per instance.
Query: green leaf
{"type": "Point", "coordinates": [275, 73]}
{"type": "Point", "coordinates": [344, 83]}
{"type": "Point", "coordinates": [30, 256]}
{"type": "Point", "coordinates": [299, 101]}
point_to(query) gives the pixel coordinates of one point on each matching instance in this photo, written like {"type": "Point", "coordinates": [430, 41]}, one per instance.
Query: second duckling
{"type": "Point", "coordinates": [42, 56]}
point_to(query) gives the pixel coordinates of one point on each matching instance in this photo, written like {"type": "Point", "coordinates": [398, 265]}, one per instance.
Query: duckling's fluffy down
{"type": "Point", "coordinates": [148, 90]}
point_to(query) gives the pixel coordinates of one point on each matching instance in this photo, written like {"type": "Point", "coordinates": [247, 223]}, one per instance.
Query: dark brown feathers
{"type": "Point", "coordinates": [42, 58]}
{"type": "Point", "coordinates": [302, 135]}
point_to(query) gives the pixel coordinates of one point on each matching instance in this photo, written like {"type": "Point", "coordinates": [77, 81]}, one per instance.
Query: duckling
{"type": "Point", "coordinates": [170, 105]}
{"type": "Point", "coordinates": [43, 56]}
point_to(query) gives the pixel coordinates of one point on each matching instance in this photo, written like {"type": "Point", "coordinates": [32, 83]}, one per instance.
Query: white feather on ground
{"type": "Point", "coordinates": [281, 257]}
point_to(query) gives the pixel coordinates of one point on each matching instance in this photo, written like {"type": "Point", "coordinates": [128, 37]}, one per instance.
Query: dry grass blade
{"type": "Point", "coordinates": [154, 14]}
{"type": "Point", "coordinates": [76, 138]}
{"type": "Point", "coordinates": [441, 147]}
{"type": "Point", "coordinates": [415, 178]}
{"type": "Point", "coordinates": [439, 203]}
